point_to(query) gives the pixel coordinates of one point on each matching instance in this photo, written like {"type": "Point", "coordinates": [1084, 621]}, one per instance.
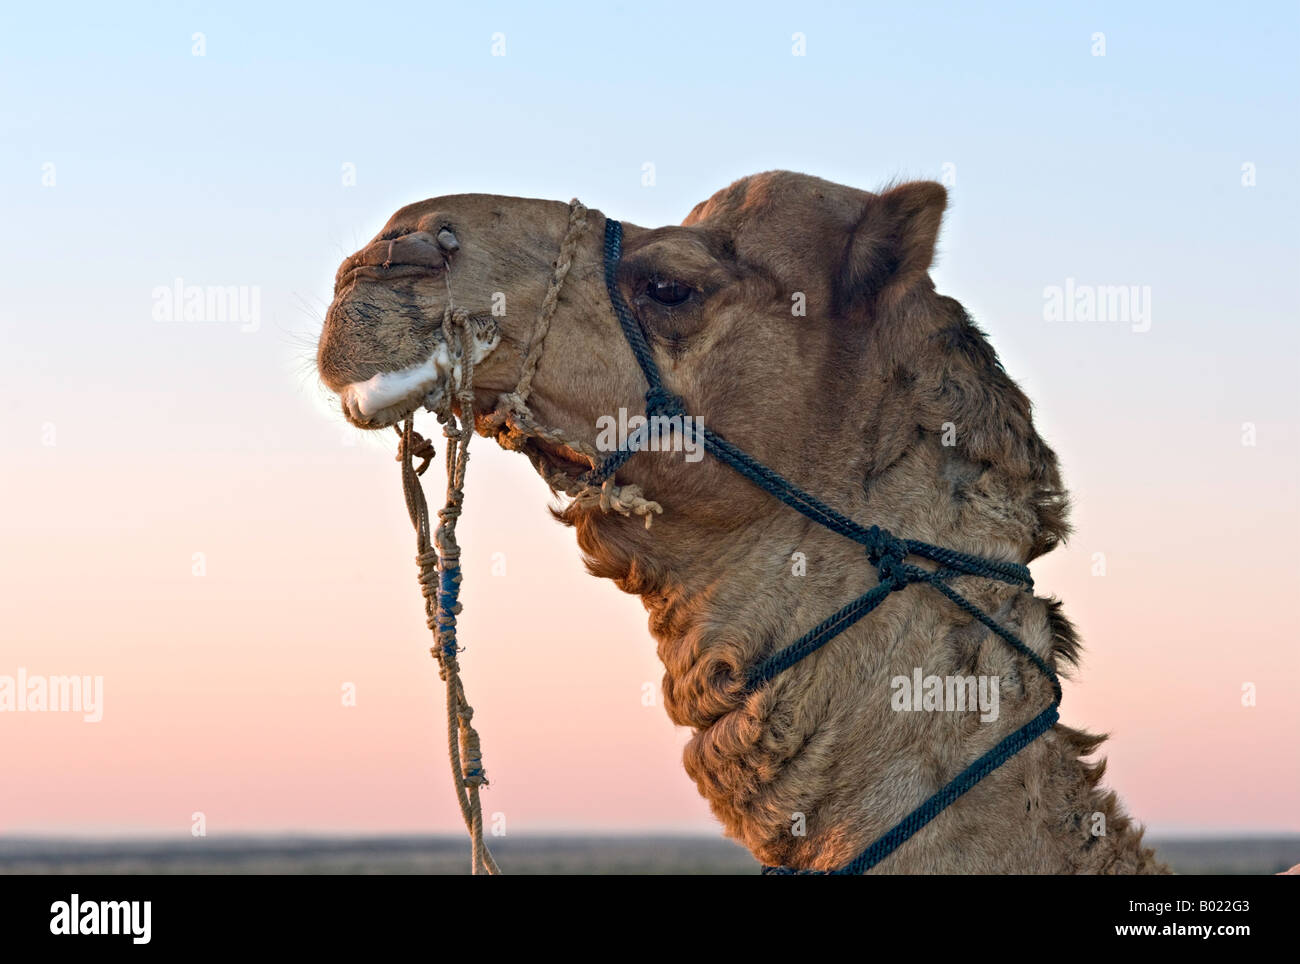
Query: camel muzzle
{"type": "Point", "coordinates": [377, 309]}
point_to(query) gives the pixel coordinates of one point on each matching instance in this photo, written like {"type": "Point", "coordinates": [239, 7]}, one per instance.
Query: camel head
{"type": "Point", "coordinates": [793, 315]}
{"type": "Point", "coordinates": [796, 318]}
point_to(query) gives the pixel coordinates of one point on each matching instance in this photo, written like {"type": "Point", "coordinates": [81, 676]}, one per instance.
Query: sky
{"type": "Point", "coordinates": [183, 512]}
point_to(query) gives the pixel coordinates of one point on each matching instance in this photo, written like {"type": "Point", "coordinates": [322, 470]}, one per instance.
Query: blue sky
{"type": "Point", "coordinates": [225, 169]}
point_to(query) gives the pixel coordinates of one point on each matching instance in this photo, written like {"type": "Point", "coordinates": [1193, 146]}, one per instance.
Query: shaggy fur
{"type": "Point", "coordinates": [884, 400]}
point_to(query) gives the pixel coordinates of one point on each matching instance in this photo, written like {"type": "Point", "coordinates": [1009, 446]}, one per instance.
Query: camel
{"type": "Point", "coordinates": [797, 318]}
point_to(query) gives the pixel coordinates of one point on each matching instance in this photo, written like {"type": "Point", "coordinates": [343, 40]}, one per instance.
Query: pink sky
{"type": "Point", "coordinates": [223, 692]}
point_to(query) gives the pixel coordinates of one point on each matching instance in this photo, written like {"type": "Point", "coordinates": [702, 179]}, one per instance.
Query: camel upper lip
{"type": "Point", "coordinates": [377, 272]}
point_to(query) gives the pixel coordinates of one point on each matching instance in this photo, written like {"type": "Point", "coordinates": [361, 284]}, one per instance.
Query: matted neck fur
{"type": "Point", "coordinates": [812, 337]}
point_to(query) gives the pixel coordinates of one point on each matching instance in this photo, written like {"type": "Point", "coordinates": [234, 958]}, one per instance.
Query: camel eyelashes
{"type": "Point", "coordinates": [670, 294]}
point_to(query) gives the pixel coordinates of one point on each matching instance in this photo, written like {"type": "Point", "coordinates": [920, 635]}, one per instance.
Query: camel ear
{"type": "Point", "coordinates": [893, 241]}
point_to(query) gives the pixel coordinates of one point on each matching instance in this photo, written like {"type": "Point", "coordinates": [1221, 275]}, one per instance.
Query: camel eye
{"type": "Point", "coordinates": [670, 294]}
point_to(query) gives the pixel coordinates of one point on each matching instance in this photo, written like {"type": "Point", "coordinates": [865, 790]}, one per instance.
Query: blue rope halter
{"type": "Point", "coordinates": [885, 551]}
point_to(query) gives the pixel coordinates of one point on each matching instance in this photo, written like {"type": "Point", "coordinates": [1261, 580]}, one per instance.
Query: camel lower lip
{"type": "Point", "coordinates": [386, 390]}
{"type": "Point", "coordinates": [391, 414]}
{"type": "Point", "coordinates": [387, 397]}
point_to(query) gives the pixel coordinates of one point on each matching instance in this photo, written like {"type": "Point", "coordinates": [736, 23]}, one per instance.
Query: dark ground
{"type": "Point", "coordinates": [518, 855]}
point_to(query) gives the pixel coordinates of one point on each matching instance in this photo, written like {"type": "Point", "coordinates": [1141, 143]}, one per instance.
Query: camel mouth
{"type": "Point", "coordinates": [387, 397]}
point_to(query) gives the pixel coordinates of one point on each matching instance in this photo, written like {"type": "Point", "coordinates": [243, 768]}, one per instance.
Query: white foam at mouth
{"type": "Point", "coordinates": [385, 389]}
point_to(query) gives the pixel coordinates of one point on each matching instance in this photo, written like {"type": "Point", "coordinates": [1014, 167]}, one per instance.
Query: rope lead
{"type": "Point", "coordinates": [438, 557]}
{"type": "Point", "coordinates": [438, 562]}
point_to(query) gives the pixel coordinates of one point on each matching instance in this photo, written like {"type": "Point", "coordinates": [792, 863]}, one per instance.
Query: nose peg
{"type": "Point", "coordinates": [447, 240]}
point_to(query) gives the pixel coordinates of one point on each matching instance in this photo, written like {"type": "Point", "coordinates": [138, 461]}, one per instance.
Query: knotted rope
{"type": "Point", "coordinates": [513, 424]}
{"type": "Point", "coordinates": [439, 567]}
{"type": "Point", "coordinates": [513, 406]}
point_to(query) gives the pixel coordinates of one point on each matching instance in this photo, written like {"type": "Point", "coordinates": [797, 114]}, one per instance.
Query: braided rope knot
{"type": "Point", "coordinates": [886, 552]}
{"type": "Point", "coordinates": [427, 561]}
{"type": "Point", "coordinates": [448, 515]}
{"type": "Point", "coordinates": [421, 448]}
{"type": "Point", "coordinates": [659, 401]}
{"type": "Point", "coordinates": [472, 772]}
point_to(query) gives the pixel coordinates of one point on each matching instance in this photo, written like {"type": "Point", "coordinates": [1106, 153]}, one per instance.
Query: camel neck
{"type": "Point", "coordinates": [817, 764]}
